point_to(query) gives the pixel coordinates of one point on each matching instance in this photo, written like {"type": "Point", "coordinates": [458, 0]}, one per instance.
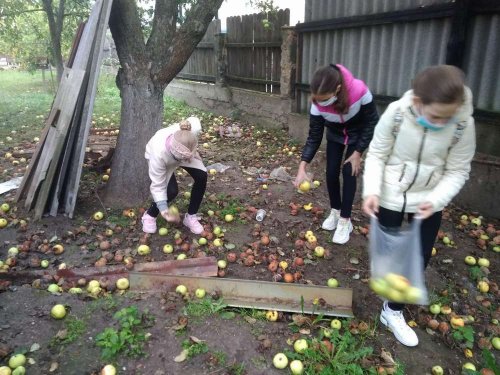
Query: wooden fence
{"type": "Point", "coordinates": [248, 55]}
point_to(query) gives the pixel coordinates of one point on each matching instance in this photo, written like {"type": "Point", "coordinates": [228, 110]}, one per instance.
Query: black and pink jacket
{"type": "Point", "coordinates": [352, 128]}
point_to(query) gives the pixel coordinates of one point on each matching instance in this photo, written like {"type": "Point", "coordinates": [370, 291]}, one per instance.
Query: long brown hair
{"type": "Point", "coordinates": [440, 84]}
{"type": "Point", "coordinates": [325, 80]}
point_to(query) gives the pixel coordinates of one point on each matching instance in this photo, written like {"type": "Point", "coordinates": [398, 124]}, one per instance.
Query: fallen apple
{"type": "Point", "coordinates": [476, 221]}
{"type": "Point", "coordinates": [280, 361]}
{"type": "Point", "coordinates": [316, 183]}
{"type": "Point", "coordinates": [168, 249]}
{"type": "Point", "coordinates": [187, 194]}
{"type": "Point", "coordinates": [300, 345]}
{"type": "Point", "coordinates": [44, 263]}
{"type": "Point", "coordinates": [229, 218]}
{"type": "Point", "coordinates": [446, 240]}
{"type": "Point", "coordinates": [469, 366]}
{"type": "Point", "coordinates": [75, 290]}
{"type": "Point", "coordinates": [483, 286]}
{"type": "Point", "coordinates": [98, 216]}
{"type": "Point", "coordinates": [122, 283]}
{"type": "Point", "coordinates": [434, 252]}
{"type": "Point", "coordinates": [143, 250]}
{"type": "Point", "coordinates": [437, 370]}
{"type": "Point", "coordinates": [457, 322]}
{"type": "Point", "coordinates": [332, 283]}
{"type": "Point", "coordinates": [470, 260]}
{"type": "Point", "coordinates": [58, 249]}
{"type": "Point", "coordinates": [108, 370]}
{"type": "Point", "coordinates": [319, 251]}
{"type": "Point", "coordinates": [3, 222]}
{"type": "Point", "coordinates": [181, 256]}
{"type": "Point", "coordinates": [435, 309]}
{"type": "Point", "coordinates": [272, 315]}
{"type": "Point", "coordinates": [58, 311]}
{"type": "Point", "coordinates": [5, 207]}
{"type": "Point", "coordinates": [483, 262]}
{"type": "Point", "coordinates": [163, 231]}
{"type": "Point", "coordinates": [105, 178]}
{"type": "Point", "coordinates": [221, 264]}
{"type": "Point", "coordinates": [200, 293]}
{"type": "Point", "coordinates": [336, 324]}
{"type": "Point", "coordinates": [19, 371]}
{"type": "Point", "coordinates": [5, 370]}
{"type": "Point", "coordinates": [445, 310]}
{"type": "Point", "coordinates": [296, 367]}
{"type": "Point", "coordinates": [264, 187]}
{"type": "Point", "coordinates": [13, 251]}
{"type": "Point", "coordinates": [217, 231]}
{"type": "Point", "coordinates": [305, 186]}
{"type": "Point", "coordinates": [218, 242]}
{"type": "Point", "coordinates": [212, 171]}
{"type": "Point", "coordinates": [495, 341]}
{"type": "Point", "coordinates": [210, 213]}
{"type": "Point", "coordinates": [202, 241]}
{"type": "Point", "coordinates": [181, 289]}
{"type": "Point", "coordinates": [17, 360]}
{"type": "Point", "coordinates": [54, 289]}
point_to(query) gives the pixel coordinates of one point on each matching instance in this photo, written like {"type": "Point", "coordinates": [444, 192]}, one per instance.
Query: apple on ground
{"type": "Point", "coordinates": [280, 361]}
{"type": "Point", "coordinates": [181, 289]}
{"type": "Point", "coordinates": [316, 183]}
{"type": "Point", "coordinates": [336, 324]}
{"type": "Point", "coordinates": [210, 213]}
{"type": "Point", "coordinates": [187, 194]}
{"type": "Point", "coordinates": [300, 345]}
{"type": "Point", "coordinates": [5, 207]}
{"type": "Point", "coordinates": [143, 250]}
{"type": "Point", "coordinates": [168, 249]}
{"type": "Point", "coordinates": [181, 256]}
{"type": "Point", "coordinates": [98, 216]}
{"type": "Point", "coordinates": [437, 370]}
{"type": "Point", "coordinates": [202, 241]}
{"type": "Point", "coordinates": [217, 231]}
{"type": "Point", "coordinates": [272, 315]}
{"type": "Point", "coordinates": [122, 283]}
{"type": "Point", "coordinates": [200, 293]}
{"type": "Point", "coordinates": [305, 186]}
{"type": "Point", "coordinates": [435, 309]}
{"type": "Point", "coordinates": [470, 260]}
{"type": "Point", "coordinates": [483, 262]}
{"type": "Point", "coordinates": [218, 242]}
{"type": "Point", "coordinates": [319, 251]}
{"type": "Point", "coordinates": [296, 367]}
{"type": "Point", "coordinates": [58, 311]}
{"type": "Point", "coordinates": [108, 370]}
{"type": "Point", "coordinates": [5, 370]}
{"type": "Point", "coordinates": [495, 341]}
{"type": "Point", "coordinates": [44, 263]}
{"type": "Point", "coordinates": [483, 286]}
{"type": "Point", "coordinates": [469, 366]}
{"type": "Point", "coordinates": [17, 360]}
{"type": "Point", "coordinates": [221, 264]}
{"type": "Point", "coordinates": [163, 231]}
{"type": "Point", "coordinates": [3, 222]}
{"type": "Point", "coordinates": [229, 218]}
{"type": "Point", "coordinates": [332, 283]}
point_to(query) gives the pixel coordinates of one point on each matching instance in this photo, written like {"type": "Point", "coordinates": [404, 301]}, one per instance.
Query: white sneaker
{"type": "Point", "coordinates": [331, 221]}
{"type": "Point", "coordinates": [344, 228]}
{"type": "Point", "coordinates": [395, 321]}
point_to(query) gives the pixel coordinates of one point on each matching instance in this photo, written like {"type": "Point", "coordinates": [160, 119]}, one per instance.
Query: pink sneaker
{"type": "Point", "coordinates": [193, 223]}
{"type": "Point", "coordinates": [148, 223]}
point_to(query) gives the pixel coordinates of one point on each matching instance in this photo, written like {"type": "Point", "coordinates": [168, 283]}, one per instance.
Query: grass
{"type": "Point", "coordinates": [203, 308]}
{"type": "Point", "coordinates": [75, 328]}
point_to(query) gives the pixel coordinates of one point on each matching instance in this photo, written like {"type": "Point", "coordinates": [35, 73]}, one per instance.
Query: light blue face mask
{"type": "Point", "coordinates": [326, 103]}
{"type": "Point", "coordinates": [422, 121]}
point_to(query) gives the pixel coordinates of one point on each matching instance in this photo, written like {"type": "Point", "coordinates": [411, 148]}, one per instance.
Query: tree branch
{"type": "Point", "coordinates": [163, 30]}
{"type": "Point", "coordinates": [60, 17]}
{"type": "Point", "coordinates": [185, 40]}
{"type": "Point", "coordinates": [14, 14]}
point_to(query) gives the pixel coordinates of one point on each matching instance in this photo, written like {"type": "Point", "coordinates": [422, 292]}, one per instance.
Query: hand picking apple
{"type": "Point", "coordinates": [172, 147]}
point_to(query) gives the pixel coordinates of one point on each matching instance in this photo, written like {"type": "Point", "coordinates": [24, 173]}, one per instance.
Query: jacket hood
{"type": "Point", "coordinates": [195, 124]}
{"type": "Point", "coordinates": [464, 111]}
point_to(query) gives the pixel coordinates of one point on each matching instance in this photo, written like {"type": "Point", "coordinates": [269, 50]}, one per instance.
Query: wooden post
{"type": "Point", "coordinates": [298, 71]}
{"type": "Point", "coordinates": [220, 58]}
{"type": "Point", "coordinates": [455, 48]}
{"type": "Point", "coordinates": [288, 67]}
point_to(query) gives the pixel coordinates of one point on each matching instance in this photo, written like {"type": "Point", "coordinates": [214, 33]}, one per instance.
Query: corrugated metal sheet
{"type": "Point", "coordinates": [387, 57]}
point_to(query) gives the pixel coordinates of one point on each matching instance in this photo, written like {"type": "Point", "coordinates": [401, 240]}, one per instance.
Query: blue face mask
{"type": "Point", "coordinates": [422, 120]}
{"type": "Point", "coordinates": [326, 103]}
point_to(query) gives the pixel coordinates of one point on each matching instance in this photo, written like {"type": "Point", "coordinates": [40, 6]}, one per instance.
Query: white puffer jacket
{"type": "Point", "coordinates": [413, 165]}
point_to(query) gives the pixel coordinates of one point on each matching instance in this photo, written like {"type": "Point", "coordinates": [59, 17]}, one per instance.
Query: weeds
{"type": "Point", "coordinates": [194, 348]}
{"type": "Point", "coordinates": [204, 307]}
{"type": "Point", "coordinates": [74, 329]}
{"type": "Point", "coordinates": [129, 339]}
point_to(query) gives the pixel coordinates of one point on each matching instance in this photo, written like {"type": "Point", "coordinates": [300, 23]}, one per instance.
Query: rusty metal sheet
{"type": "Point", "coordinates": [255, 294]}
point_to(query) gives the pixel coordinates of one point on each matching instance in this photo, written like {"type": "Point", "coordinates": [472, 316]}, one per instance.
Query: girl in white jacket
{"type": "Point", "coordinates": [172, 147]}
{"type": "Point", "coordinates": [418, 160]}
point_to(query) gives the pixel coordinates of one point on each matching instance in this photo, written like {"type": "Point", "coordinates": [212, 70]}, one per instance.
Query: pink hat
{"type": "Point", "coordinates": [178, 150]}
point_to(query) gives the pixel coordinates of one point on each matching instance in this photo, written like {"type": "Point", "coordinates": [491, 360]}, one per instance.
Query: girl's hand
{"type": "Point", "coordinates": [171, 218]}
{"type": "Point", "coordinates": [355, 160]}
{"type": "Point", "coordinates": [425, 210]}
{"type": "Point", "coordinates": [370, 205]}
{"type": "Point", "coordinates": [301, 176]}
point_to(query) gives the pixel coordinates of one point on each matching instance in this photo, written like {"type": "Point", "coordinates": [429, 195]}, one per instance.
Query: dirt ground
{"type": "Point", "coordinates": [25, 309]}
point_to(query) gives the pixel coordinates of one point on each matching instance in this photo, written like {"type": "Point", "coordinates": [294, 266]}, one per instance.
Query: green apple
{"type": "Point", "coordinates": [296, 367]}
{"type": "Point", "coordinates": [58, 311]}
{"type": "Point", "coordinates": [210, 213]}
{"type": "Point", "coordinates": [168, 249]}
{"type": "Point", "coordinates": [200, 293]}
{"type": "Point", "coordinates": [21, 370]}
{"type": "Point", "coordinates": [336, 324]}
{"type": "Point", "coordinates": [327, 332]}
{"type": "Point", "coordinates": [476, 221]}
{"type": "Point", "coordinates": [187, 194]}
{"type": "Point", "coordinates": [202, 241]}
{"type": "Point", "coordinates": [13, 251]}
{"type": "Point", "coordinates": [163, 231]}
{"type": "Point", "coordinates": [75, 290]}
{"type": "Point", "coordinates": [3, 222]}
{"type": "Point", "coordinates": [5, 207]}
{"type": "Point", "coordinates": [379, 286]}
{"type": "Point", "coordinates": [470, 260]}
{"type": "Point", "coordinates": [229, 218]}
{"type": "Point", "coordinates": [300, 345]}
{"type": "Point", "coordinates": [98, 216]}
{"type": "Point", "coordinates": [319, 251]}
{"type": "Point", "coordinates": [143, 250]}
{"type": "Point", "coordinates": [332, 283]}
{"type": "Point", "coordinates": [181, 256]}
{"type": "Point", "coordinates": [483, 262]}
{"type": "Point", "coordinates": [54, 289]}
{"type": "Point", "coordinates": [446, 240]}
{"type": "Point", "coordinates": [122, 283]}
{"type": "Point", "coordinates": [218, 242]}
{"type": "Point", "coordinates": [398, 282]}
{"type": "Point", "coordinates": [280, 361]}
{"type": "Point", "coordinates": [495, 341]}
{"type": "Point", "coordinates": [435, 309]}
{"type": "Point", "coordinates": [108, 370]}
{"type": "Point", "coordinates": [395, 295]}
{"type": "Point", "coordinates": [17, 360]}
{"type": "Point", "coordinates": [177, 235]}
{"type": "Point", "coordinates": [181, 289]}
{"type": "Point", "coordinates": [316, 183]}
{"type": "Point", "coordinates": [217, 231]}
{"type": "Point", "coordinates": [413, 295]}
{"type": "Point", "coordinates": [468, 365]}
{"type": "Point", "coordinates": [437, 370]}
{"type": "Point", "coordinates": [221, 264]}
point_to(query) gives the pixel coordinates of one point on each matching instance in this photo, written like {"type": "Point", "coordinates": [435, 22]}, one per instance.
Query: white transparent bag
{"type": "Point", "coordinates": [396, 263]}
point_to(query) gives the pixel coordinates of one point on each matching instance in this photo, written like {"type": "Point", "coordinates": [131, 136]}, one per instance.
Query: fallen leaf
{"type": "Point", "coordinates": [196, 340]}
{"type": "Point", "coordinates": [447, 261]}
{"type": "Point", "coordinates": [305, 331]}
{"type": "Point", "coordinates": [53, 366]}
{"type": "Point", "coordinates": [354, 260]}
{"type": "Point", "coordinates": [34, 347]}
{"type": "Point", "coordinates": [387, 357]}
{"type": "Point", "coordinates": [430, 331]}
{"type": "Point", "coordinates": [300, 320]}
{"type": "Point", "coordinates": [249, 319]}
{"type": "Point", "coordinates": [31, 361]}
{"type": "Point", "coordinates": [356, 276]}
{"type": "Point", "coordinates": [182, 356]}
{"type": "Point", "coordinates": [230, 246]}
{"type": "Point", "coordinates": [62, 334]}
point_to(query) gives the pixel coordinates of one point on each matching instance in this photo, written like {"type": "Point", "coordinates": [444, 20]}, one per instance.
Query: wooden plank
{"type": "Point", "coordinates": [77, 162]}
{"type": "Point", "coordinates": [298, 298]}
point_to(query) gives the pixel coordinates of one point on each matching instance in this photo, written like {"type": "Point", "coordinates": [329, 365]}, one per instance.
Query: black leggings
{"type": "Point", "coordinates": [428, 233]}
{"type": "Point", "coordinates": [334, 157]}
{"type": "Point", "coordinates": [200, 184]}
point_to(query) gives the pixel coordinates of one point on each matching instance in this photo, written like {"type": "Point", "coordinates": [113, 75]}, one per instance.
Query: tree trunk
{"type": "Point", "coordinates": [55, 28]}
{"type": "Point", "coordinates": [141, 117]}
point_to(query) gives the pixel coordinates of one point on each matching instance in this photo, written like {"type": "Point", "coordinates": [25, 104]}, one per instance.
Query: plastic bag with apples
{"type": "Point", "coordinates": [396, 263]}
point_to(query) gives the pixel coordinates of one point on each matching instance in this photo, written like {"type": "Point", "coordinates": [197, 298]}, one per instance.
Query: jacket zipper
{"type": "Point", "coordinates": [346, 137]}
{"type": "Point", "coordinates": [429, 180]}
{"type": "Point", "coordinates": [402, 173]}
{"type": "Point", "coordinates": [419, 159]}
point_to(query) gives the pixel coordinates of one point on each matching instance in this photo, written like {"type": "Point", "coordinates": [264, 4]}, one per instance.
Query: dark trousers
{"type": "Point", "coordinates": [334, 158]}
{"type": "Point", "coordinates": [199, 186]}
{"type": "Point", "coordinates": [428, 233]}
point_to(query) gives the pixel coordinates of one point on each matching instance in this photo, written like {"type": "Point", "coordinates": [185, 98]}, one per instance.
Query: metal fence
{"type": "Point", "coordinates": [386, 42]}
{"type": "Point", "coordinates": [252, 52]}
